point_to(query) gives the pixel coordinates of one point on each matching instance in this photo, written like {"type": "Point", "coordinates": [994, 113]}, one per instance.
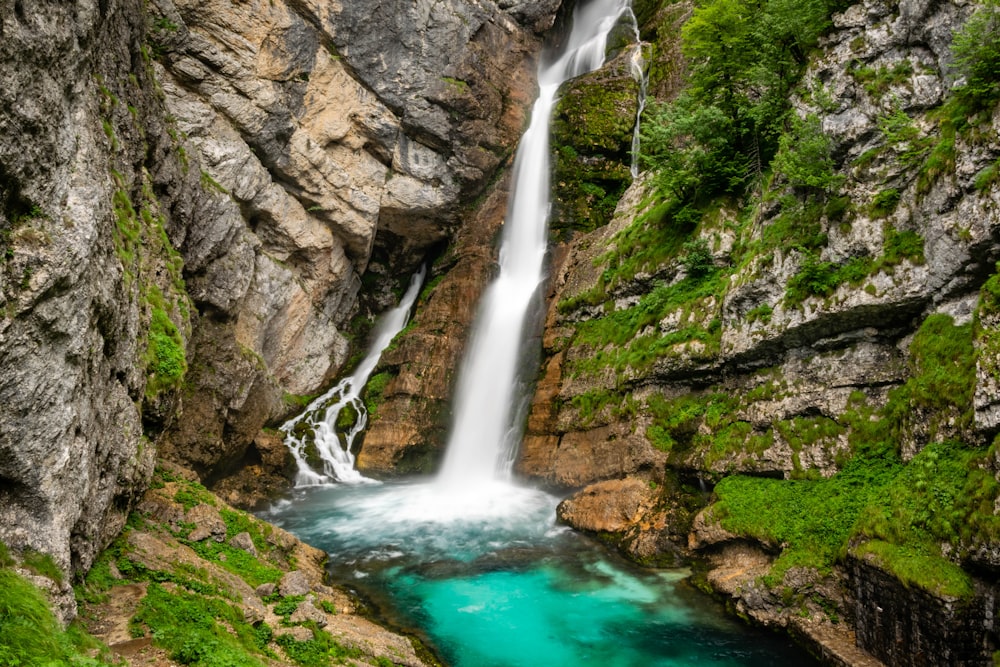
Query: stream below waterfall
{"type": "Point", "coordinates": [489, 580]}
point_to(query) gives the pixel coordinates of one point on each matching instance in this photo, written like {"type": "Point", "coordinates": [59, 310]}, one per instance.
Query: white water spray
{"type": "Point", "coordinates": [485, 430]}
{"type": "Point", "coordinates": [337, 458]}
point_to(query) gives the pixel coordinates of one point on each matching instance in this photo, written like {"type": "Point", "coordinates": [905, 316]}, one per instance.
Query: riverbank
{"type": "Point", "coordinates": [192, 580]}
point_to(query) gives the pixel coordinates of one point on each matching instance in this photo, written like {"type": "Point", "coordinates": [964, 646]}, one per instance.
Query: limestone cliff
{"type": "Point", "coordinates": [190, 195]}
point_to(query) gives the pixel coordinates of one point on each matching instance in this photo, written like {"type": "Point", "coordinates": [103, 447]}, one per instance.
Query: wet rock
{"type": "Point", "coordinates": [607, 507]}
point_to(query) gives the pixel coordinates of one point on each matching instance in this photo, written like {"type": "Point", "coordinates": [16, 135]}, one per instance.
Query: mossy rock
{"type": "Point", "coordinates": [592, 140]}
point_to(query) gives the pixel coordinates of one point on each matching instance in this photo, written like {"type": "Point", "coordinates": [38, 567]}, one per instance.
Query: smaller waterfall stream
{"type": "Point", "coordinates": [318, 422]}
{"type": "Point", "coordinates": [640, 73]}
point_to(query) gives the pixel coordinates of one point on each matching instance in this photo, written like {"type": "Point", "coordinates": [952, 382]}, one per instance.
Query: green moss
{"type": "Point", "coordinates": [375, 392]}
{"type": "Point", "coordinates": [165, 356]}
{"type": "Point", "coordinates": [592, 133]}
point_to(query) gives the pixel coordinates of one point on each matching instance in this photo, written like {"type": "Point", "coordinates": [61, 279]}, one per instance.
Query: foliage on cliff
{"type": "Point", "coordinates": [783, 235]}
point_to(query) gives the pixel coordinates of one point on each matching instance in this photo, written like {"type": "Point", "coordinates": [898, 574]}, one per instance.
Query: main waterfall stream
{"type": "Point", "coordinates": [474, 563]}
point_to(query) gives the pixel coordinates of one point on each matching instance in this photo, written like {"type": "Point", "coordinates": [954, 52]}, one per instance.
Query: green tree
{"type": "Point", "coordinates": [690, 147]}
{"type": "Point", "coordinates": [976, 48]}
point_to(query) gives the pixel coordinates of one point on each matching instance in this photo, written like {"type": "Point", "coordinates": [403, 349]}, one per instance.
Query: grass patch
{"type": "Point", "coordinates": [252, 570]}
{"type": "Point", "coordinates": [30, 634]}
{"type": "Point", "coordinates": [813, 518]}
{"type": "Point", "coordinates": [165, 355]}
{"type": "Point", "coordinates": [197, 630]}
{"type": "Point", "coordinates": [942, 381]}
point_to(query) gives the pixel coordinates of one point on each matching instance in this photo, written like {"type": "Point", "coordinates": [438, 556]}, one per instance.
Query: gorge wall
{"type": "Point", "coordinates": [811, 357]}
{"type": "Point", "coordinates": [190, 197]}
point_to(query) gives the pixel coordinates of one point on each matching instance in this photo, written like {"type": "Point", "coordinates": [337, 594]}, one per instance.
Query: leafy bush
{"type": "Point", "coordinates": [805, 156]}
{"type": "Point", "coordinates": [319, 651]}
{"type": "Point", "coordinates": [976, 48]}
{"type": "Point", "coordinates": [884, 203]}
{"type": "Point", "coordinates": [193, 629]}
{"type": "Point", "coordinates": [698, 260]}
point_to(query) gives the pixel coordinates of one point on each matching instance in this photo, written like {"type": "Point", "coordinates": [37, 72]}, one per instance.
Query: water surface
{"type": "Point", "coordinates": [489, 580]}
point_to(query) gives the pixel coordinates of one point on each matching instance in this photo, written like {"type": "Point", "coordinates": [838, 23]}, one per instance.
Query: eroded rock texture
{"type": "Point", "coordinates": [189, 195]}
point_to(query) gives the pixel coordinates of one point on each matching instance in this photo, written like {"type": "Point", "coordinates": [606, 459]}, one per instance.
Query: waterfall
{"type": "Point", "coordinates": [641, 74]}
{"type": "Point", "coordinates": [322, 431]}
{"type": "Point", "coordinates": [485, 429]}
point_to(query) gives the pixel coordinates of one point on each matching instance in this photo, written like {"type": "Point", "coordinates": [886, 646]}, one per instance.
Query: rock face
{"type": "Point", "coordinates": [189, 196]}
{"type": "Point", "coordinates": [72, 455]}
{"type": "Point", "coordinates": [775, 340]}
{"type": "Point", "coordinates": [323, 140]}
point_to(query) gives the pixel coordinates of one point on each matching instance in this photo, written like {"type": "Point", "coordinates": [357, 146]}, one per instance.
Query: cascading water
{"type": "Point", "coordinates": [485, 428]}
{"type": "Point", "coordinates": [474, 563]}
{"type": "Point", "coordinates": [641, 74]}
{"type": "Point", "coordinates": [322, 431]}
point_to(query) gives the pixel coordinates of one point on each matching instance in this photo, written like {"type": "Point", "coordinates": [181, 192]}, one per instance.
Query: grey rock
{"type": "Point", "coordinates": [207, 522]}
{"type": "Point", "coordinates": [307, 611]}
{"type": "Point", "coordinates": [266, 589]}
{"type": "Point", "coordinates": [244, 542]}
{"type": "Point", "coordinates": [294, 583]}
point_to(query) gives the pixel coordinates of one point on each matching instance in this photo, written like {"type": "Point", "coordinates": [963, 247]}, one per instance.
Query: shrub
{"type": "Point", "coordinates": [976, 48]}
{"type": "Point", "coordinates": [165, 355]}
{"type": "Point", "coordinates": [805, 156]}
{"type": "Point", "coordinates": [884, 203]}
